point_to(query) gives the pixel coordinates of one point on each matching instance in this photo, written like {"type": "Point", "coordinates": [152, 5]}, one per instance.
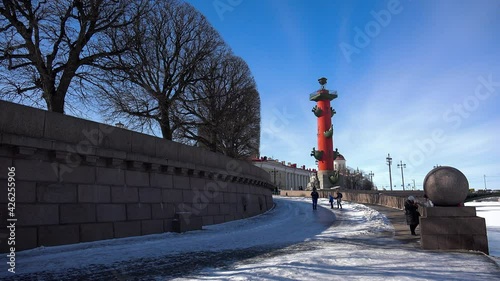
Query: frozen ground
{"type": "Point", "coordinates": [290, 242]}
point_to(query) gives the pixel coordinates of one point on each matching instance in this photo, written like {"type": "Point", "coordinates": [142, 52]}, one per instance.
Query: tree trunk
{"type": "Point", "coordinates": [213, 140]}
{"type": "Point", "coordinates": [55, 104]}
{"type": "Point", "coordinates": [53, 98]}
{"type": "Point", "coordinates": [166, 130]}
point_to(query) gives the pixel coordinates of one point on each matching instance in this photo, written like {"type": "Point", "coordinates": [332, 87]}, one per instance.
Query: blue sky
{"type": "Point", "coordinates": [417, 79]}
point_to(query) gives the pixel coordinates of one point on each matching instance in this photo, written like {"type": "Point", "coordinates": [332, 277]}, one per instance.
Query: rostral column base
{"type": "Point", "coordinates": [324, 182]}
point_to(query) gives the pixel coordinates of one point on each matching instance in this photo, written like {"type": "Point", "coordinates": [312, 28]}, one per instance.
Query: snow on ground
{"type": "Point", "coordinates": [283, 225]}
{"type": "Point", "coordinates": [354, 248]}
{"type": "Point", "coordinates": [289, 242]}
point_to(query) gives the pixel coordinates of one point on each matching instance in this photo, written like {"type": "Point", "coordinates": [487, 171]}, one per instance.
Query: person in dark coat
{"type": "Point", "coordinates": [339, 200]}
{"type": "Point", "coordinates": [412, 214]}
{"type": "Point", "coordinates": [315, 196]}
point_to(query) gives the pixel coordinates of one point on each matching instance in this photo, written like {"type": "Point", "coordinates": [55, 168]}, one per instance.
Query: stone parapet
{"type": "Point", "coordinates": [390, 199]}
{"type": "Point", "coordinates": [78, 181]}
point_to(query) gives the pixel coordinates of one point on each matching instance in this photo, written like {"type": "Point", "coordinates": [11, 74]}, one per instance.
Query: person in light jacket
{"type": "Point", "coordinates": [427, 202]}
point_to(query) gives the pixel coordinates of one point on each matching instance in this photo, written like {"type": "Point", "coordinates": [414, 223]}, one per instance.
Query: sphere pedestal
{"type": "Point", "coordinates": [453, 228]}
{"type": "Point", "coordinates": [449, 225]}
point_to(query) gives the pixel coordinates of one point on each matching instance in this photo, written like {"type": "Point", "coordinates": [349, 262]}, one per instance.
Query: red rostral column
{"type": "Point", "coordinates": [324, 153]}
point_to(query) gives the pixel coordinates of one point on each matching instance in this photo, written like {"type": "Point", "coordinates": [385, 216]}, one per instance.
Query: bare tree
{"type": "Point", "coordinates": [172, 42]}
{"type": "Point", "coordinates": [356, 179]}
{"type": "Point", "coordinates": [222, 111]}
{"type": "Point", "coordinates": [241, 138]}
{"type": "Point", "coordinates": [49, 47]}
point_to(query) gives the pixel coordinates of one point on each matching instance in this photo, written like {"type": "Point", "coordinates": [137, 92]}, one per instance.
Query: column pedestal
{"type": "Point", "coordinates": [453, 228]}
{"type": "Point", "coordinates": [324, 182]}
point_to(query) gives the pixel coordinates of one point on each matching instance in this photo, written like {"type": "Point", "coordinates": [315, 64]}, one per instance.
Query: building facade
{"type": "Point", "coordinates": [339, 163]}
{"type": "Point", "coordinates": [286, 176]}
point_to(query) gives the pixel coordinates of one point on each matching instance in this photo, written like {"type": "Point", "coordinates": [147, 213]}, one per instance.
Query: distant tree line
{"type": "Point", "coordinates": [158, 65]}
{"type": "Point", "coordinates": [356, 179]}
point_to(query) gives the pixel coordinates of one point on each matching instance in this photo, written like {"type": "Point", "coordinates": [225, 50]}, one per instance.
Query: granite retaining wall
{"type": "Point", "coordinates": [79, 181]}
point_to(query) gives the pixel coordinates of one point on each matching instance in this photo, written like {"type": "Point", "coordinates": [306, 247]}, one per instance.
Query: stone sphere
{"type": "Point", "coordinates": [446, 186]}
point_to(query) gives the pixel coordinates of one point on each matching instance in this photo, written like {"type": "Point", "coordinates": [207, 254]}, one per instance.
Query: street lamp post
{"type": "Point", "coordinates": [401, 165]}
{"type": "Point", "coordinates": [389, 162]}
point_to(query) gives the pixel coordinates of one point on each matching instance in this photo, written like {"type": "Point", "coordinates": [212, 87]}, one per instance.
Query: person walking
{"type": "Point", "coordinates": [412, 214]}
{"type": "Point", "coordinates": [339, 200]}
{"type": "Point", "coordinates": [315, 196]}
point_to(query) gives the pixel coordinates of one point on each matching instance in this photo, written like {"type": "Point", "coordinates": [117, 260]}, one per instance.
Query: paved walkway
{"type": "Point", "coordinates": [402, 230]}
{"type": "Point", "coordinates": [398, 220]}
{"type": "Point", "coordinates": [290, 242]}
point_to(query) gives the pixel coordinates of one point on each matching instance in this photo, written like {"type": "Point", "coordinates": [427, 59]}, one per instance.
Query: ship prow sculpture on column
{"type": "Point", "coordinates": [449, 225]}
{"type": "Point", "coordinates": [324, 154]}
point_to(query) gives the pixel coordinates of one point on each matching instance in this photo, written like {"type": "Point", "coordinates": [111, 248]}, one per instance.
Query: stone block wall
{"type": "Point", "coordinates": [453, 228]}
{"type": "Point", "coordinates": [79, 181]}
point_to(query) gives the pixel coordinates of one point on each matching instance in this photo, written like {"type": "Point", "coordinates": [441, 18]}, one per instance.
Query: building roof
{"type": "Point", "coordinates": [276, 162]}
{"type": "Point", "coordinates": [340, 157]}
